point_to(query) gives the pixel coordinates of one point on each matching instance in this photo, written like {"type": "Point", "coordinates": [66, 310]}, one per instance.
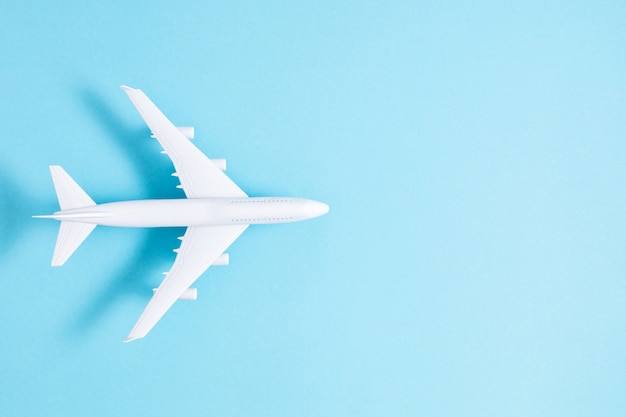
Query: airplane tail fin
{"type": "Point", "coordinates": [71, 234]}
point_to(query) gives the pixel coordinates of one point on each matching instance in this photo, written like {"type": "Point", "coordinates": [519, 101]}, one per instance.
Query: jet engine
{"type": "Point", "coordinates": [220, 162]}
{"type": "Point", "coordinates": [187, 131]}
{"type": "Point", "coordinates": [221, 260]}
{"type": "Point", "coordinates": [190, 294]}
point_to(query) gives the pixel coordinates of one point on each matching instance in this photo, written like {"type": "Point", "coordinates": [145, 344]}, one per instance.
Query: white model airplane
{"type": "Point", "coordinates": [215, 212]}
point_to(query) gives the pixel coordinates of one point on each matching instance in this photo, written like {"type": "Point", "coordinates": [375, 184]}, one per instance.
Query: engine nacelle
{"type": "Point", "coordinates": [190, 294]}
{"type": "Point", "coordinates": [221, 260]}
{"type": "Point", "coordinates": [187, 131]}
{"type": "Point", "coordinates": [220, 162]}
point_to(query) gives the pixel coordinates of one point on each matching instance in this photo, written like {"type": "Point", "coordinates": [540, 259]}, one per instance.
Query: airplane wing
{"type": "Point", "coordinates": [198, 176]}
{"type": "Point", "coordinates": [200, 248]}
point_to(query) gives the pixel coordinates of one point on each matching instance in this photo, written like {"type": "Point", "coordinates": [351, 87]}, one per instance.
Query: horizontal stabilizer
{"type": "Point", "coordinates": [69, 193]}
{"type": "Point", "coordinates": [71, 235]}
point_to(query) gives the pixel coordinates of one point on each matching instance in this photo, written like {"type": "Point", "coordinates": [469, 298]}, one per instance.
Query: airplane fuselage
{"type": "Point", "coordinates": [215, 213]}
{"type": "Point", "coordinates": [196, 212]}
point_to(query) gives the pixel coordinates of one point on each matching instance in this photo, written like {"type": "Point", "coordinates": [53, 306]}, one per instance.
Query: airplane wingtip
{"type": "Point", "coordinates": [130, 339]}
{"type": "Point", "coordinates": [126, 88]}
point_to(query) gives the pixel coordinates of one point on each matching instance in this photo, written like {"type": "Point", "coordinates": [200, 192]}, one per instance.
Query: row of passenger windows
{"type": "Point", "coordinates": [272, 219]}
{"type": "Point", "coordinates": [269, 200]}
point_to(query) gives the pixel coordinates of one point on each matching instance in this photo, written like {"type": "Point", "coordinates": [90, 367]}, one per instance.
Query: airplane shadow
{"type": "Point", "coordinates": [16, 210]}
{"type": "Point", "coordinates": [135, 279]}
{"type": "Point", "coordinates": [142, 272]}
{"type": "Point", "coordinates": [135, 141]}
{"type": "Point", "coordinates": [13, 207]}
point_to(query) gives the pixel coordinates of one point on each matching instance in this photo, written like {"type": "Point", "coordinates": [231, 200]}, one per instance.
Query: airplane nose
{"type": "Point", "coordinates": [318, 209]}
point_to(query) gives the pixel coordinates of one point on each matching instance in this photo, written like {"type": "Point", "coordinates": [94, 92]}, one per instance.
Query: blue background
{"type": "Point", "coordinates": [472, 155]}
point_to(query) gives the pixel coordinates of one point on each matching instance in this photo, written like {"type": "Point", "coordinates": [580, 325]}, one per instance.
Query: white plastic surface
{"type": "Point", "coordinates": [215, 213]}
{"type": "Point", "coordinates": [187, 131]}
{"type": "Point", "coordinates": [190, 294]}
{"type": "Point", "coordinates": [222, 260]}
{"type": "Point", "coordinates": [195, 212]}
{"type": "Point", "coordinates": [70, 237]}
{"type": "Point", "coordinates": [71, 233]}
{"type": "Point", "coordinates": [69, 194]}
{"type": "Point", "coordinates": [198, 176]}
{"type": "Point", "coordinates": [200, 247]}
{"type": "Point", "coordinates": [220, 163]}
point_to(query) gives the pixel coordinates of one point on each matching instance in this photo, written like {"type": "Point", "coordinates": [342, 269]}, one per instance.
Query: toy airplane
{"type": "Point", "coordinates": [215, 212]}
